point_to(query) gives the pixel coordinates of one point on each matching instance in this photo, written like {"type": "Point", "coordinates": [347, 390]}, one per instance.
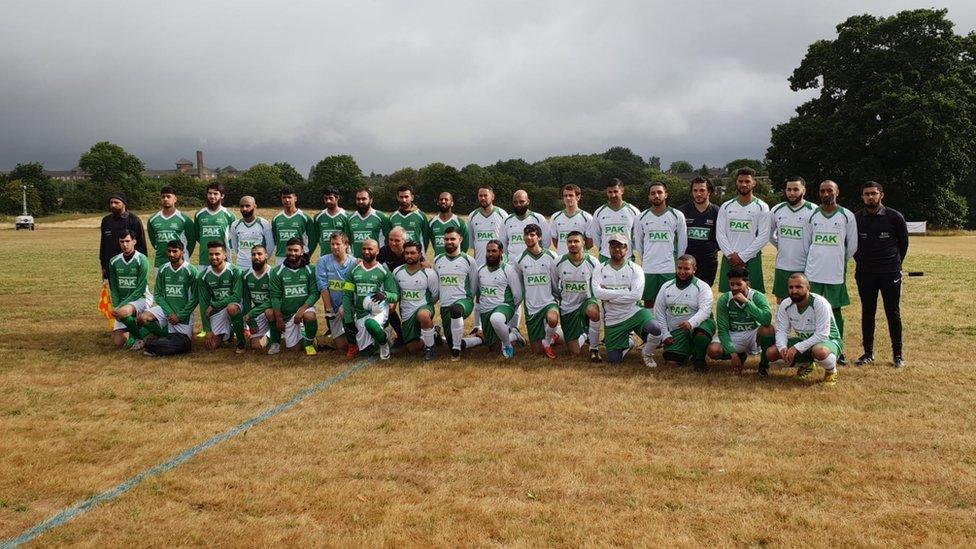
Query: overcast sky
{"type": "Point", "coordinates": [405, 83]}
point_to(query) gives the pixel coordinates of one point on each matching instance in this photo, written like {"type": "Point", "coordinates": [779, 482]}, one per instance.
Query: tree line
{"type": "Point", "coordinates": [896, 104]}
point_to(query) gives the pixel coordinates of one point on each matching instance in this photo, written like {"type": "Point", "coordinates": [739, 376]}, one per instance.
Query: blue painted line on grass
{"type": "Point", "coordinates": [81, 508]}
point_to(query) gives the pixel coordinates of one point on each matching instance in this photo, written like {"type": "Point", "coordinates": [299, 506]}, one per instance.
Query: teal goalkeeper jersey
{"type": "Point", "coordinates": [219, 289]}
{"type": "Point", "coordinates": [415, 224]}
{"type": "Point", "coordinates": [176, 290]}
{"type": "Point", "coordinates": [212, 226]}
{"type": "Point", "coordinates": [161, 230]}
{"type": "Point", "coordinates": [291, 288]}
{"type": "Point", "coordinates": [361, 283]}
{"type": "Point", "coordinates": [128, 279]}
{"type": "Point", "coordinates": [285, 227]}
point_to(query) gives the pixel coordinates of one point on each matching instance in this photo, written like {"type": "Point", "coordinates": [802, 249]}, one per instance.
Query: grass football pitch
{"type": "Point", "coordinates": [482, 452]}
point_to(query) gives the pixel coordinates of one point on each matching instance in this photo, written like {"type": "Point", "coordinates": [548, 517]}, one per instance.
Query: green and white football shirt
{"type": "Point", "coordinates": [162, 229]}
{"type": "Point", "coordinates": [212, 226]}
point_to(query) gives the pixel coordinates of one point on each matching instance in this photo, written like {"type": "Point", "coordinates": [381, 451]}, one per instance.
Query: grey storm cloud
{"type": "Point", "coordinates": [405, 83]}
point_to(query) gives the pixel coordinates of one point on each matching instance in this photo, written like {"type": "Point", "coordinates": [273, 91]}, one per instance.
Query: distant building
{"type": "Point", "coordinates": [183, 166]}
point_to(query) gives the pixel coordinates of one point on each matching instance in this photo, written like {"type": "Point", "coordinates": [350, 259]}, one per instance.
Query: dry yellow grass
{"type": "Point", "coordinates": [485, 453]}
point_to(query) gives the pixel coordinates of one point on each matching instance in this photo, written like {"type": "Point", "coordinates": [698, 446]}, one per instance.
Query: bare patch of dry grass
{"type": "Point", "coordinates": [488, 452]}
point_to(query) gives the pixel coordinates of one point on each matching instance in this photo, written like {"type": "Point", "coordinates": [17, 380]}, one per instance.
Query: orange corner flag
{"type": "Point", "coordinates": [105, 305]}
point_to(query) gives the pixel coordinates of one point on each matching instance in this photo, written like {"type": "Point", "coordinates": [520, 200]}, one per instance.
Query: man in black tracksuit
{"type": "Point", "coordinates": [700, 215]}
{"type": "Point", "coordinates": [882, 243]}
{"type": "Point", "coordinates": [112, 225]}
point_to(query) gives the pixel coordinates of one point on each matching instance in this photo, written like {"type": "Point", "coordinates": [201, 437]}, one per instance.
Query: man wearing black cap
{"type": "Point", "coordinates": [113, 224]}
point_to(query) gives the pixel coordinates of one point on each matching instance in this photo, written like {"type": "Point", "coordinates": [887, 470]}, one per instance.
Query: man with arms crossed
{"type": "Point", "coordinates": [457, 276]}
{"type": "Point", "coordinates": [169, 224]}
{"type": "Point", "coordinates": [744, 324]}
{"type": "Point", "coordinates": [830, 237]}
{"type": "Point", "coordinates": [662, 235]}
{"type": "Point", "coordinates": [787, 221]}
{"type": "Point", "coordinates": [331, 274]}
{"type": "Point", "coordinates": [537, 268]}
{"type": "Point", "coordinates": [419, 291]}
{"type": "Point", "coordinates": [881, 249]}
{"type": "Point", "coordinates": [684, 312]}
{"type": "Point", "coordinates": [369, 290]}
{"type": "Point", "coordinates": [175, 298]}
{"type": "Point", "coordinates": [499, 291]}
{"type": "Point", "coordinates": [249, 231]}
{"type": "Point", "coordinates": [570, 219]}
{"type": "Point", "coordinates": [579, 311]}
{"type": "Point", "coordinates": [614, 217]}
{"type": "Point", "coordinates": [221, 293]}
{"type": "Point", "coordinates": [258, 314]}
{"type": "Point", "coordinates": [293, 291]}
{"type": "Point", "coordinates": [700, 216]}
{"type": "Point", "coordinates": [128, 283]}
{"type": "Point", "coordinates": [742, 229]}
{"type": "Point", "coordinates": [816, 338]}
{"type": "Point", "coordinates": [619, 283]}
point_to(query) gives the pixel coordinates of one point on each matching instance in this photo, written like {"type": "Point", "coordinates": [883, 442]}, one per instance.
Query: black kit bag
{"type": "Point", "coordinates": [171, 344]}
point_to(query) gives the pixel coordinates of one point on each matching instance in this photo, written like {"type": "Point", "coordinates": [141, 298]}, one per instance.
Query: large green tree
{"type": "Point", "coordinates": [340, 171]}
{"type": "Point", "coordinates": [897, 104]}
{"type": "Point", "coordinates": [681, 166]}
{"type": "Point", "coordinates": [758, 165]}
{"type": "Point", "coordinates": [111, 168]}
{"type": "Point", "coordinates": [32, 174]}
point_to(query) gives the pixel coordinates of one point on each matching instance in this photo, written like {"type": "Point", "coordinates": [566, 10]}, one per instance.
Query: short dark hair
{"type": "Point", "coordinates": [533, 228]}
{"type": "Point", "coordinates": [576, 233]}
{"type": "Point", "coordinates": [575, 188]}
{"type": "Point", "coordinates": [176, 245]}
{"type": "Point", "coordinates": [217, 186]}
{"type": "Point", "coordinates": [126, 232]}
{"type": "Point", "coordinates": [738, 272]}
{"type": "Point", "coordinates": [404, 188]}
{"type": "Point", "coordinates": [167, 190]}
{"type": "Point", "coordinates": [366, 190]}
{"type": "Point", "coordinates": [452, 230]}
{"type": "Point", "coordinates": [661, 184]}
{"type": "Point", "coordinates": [706, 181]}
{"type": "Point", "coordinates": [330, 191]}
{"type": "Point", "coordinates": [746, 171]}
{"type": "Point", "coordinates": [256, 246]}
{"type": "Point", "coordinates": [486, 186]}
{"type": "Point", "coordinates": [295, 241]}
{"type": "Point", "coordinates": [414, 244]}
{"type": "Point", "coordinates": [615, 182]}
{"type": "Point", "coordinates": [216, 244]}
{"type": "Point", "coordinates": [872, 184]}
{"type": "Point", "coordinates": [798, 179]}
{"type": "Point", "coordinates": [689, 258]}
{"type": "Point", "coordinates": [496, 242]}
{"type": "Point", "coordinates": [285, 191]}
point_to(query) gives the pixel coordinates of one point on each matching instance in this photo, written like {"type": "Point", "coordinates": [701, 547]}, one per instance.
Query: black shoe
{"type": "Point", "coordinates": [701, 366]}
{"type": "Point", "coordinates": [763, 370]}
{"type": "Point", "coordinates": [595, 355]}
{"type": "Point", "coordinates": [866, 358]}
{"type": "Point", "coordinates": [743, 357]}
{"type": "Point", "coordinates": [842, 360]}
{"type": "Point", "coordinates": [898, 362]}
{"type": "Point", "coordinates": [455, 355]}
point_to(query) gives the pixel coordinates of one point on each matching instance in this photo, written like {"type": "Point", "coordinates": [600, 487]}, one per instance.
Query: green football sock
{"type": "Point", "coordinates": [132, 326]}
{"type": "Point", "coordinates": [311, 329]}
{"type": "Point", "coordinates": [275, 336]}
{"type": "Point", "coordinates": [839, 319]}
{"type": "Point", "coordinates": [237, 323]}
{"type": "Point", "coordinates": [765, 342]}
{"type": "Point", "coordinates": [153, 328]}
{"type": "Point", "coordinates": [699, 344]}
{"type": "Point", "coordinates": [375, 330]}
